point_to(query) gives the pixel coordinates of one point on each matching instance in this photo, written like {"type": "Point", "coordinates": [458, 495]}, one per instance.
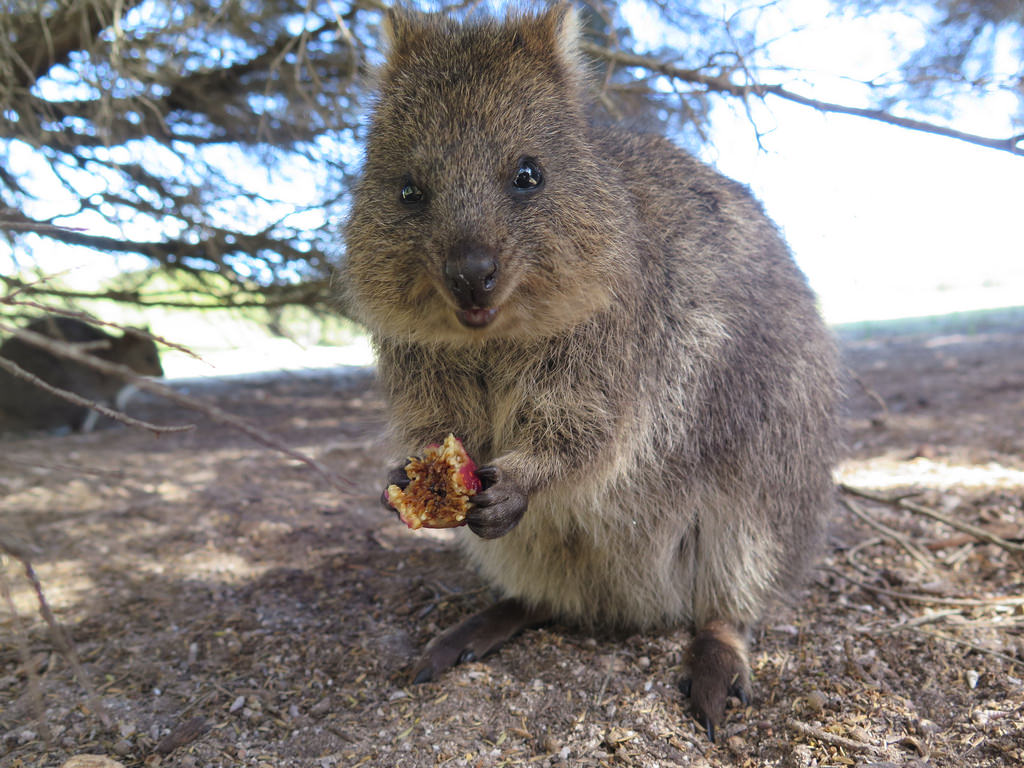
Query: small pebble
{"type": "Point", "coordinates": [322, 707]}
{"type": "Point", "coordinates": [815, 701]}
{"type": "Point", "coordinates": [803, 755]}
{"type": "Point", "coordinates": [972, 678]}
{"type": "Point", "coordinates": [237, 704]}
{"type": "Point", "coordinates": [857, 733]}
{"type": "Point", "coordinates": [123, 747]}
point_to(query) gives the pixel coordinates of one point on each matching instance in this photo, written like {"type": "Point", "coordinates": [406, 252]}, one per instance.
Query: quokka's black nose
{"type": "Point", "coordinates": [471, 273]}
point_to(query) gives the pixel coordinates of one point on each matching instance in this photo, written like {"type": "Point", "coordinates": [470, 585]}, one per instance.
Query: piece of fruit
{"type": "Point", "coordinates": [441, 485]}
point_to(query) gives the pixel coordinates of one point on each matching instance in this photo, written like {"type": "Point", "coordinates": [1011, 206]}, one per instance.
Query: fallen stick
{"type": "Point", "coordinates": [928, 599]}
{"type": "Point", "coordinates": [831, 738]}
{"type": "Point", "coordinates": [912, 549]}
{"type": "Point", "coordinates": [904, 503]}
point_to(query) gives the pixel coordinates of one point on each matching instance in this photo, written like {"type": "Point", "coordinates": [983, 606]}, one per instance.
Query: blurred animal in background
{"type": "Point", "coordinates": [24, 406]}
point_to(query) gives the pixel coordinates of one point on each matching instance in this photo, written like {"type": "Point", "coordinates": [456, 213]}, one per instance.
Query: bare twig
{"type": "Point", "coordinates": [905, 503]}
{"type": "Point", "coordinates": [927, 618]}
{"type": "Point", "coordinates": [1005, 530]}
{"type": "Point", "coordinates": [184, 733]}
{"type": "Point", "coordinates": [35, 691]}
{"type": "Point", "coordinates": [830, 738]}
{"type": "Point", "coordinates": [65, 646]}
{"type": "Point", "coordinates": [308, 294]}
{"type": "Point", "coordinates": [920, 555]}
{"type": "Point", "coordinates": [604, 683]}
{"type": "Point", "coordinates": [964, 643]}
{"type": "Point", "coordinates": [928, 599]}
{"type": "Point", "coordinates": [722, 84]}
{"type": "Point", "coordinates": [869, 391]}
{"type": "Point", "coordinates": [88, 317]}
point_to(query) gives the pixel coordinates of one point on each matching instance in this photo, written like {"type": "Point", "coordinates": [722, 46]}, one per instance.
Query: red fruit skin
{"type": "Point", "coordinates": [463, 484]}
{"type": "Point", "coordinates": [469, 479]}
{"type": "Point", "coordinates": [467, 473]}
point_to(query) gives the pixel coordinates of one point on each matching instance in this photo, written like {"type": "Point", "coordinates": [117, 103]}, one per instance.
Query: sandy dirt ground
{"type": "Point", "coordinates": [227, 607]}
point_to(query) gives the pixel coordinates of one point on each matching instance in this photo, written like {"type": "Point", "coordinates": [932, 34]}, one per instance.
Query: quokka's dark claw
{"type": "Point", "coordinates": [423, 674]}
{"type": "Point", "coordinates": [686, 685]}
{"type": "Point", "coordinates": [396, 476]}
{"type": "Point", "coordinates": [718, 670]}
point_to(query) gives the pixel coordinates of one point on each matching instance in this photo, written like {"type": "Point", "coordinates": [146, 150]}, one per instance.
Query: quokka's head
{"type": "Point", "coordinates": [482, 210]}
{"type": "Point", "coordinates": [138, 351]}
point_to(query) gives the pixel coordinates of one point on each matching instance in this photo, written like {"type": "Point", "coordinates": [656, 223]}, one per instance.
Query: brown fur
{"type": "Point", "coordinates": [718, 668]}
{"type": "Point", "coordinates": [24, 406]}
{"type": "Point", "coordinates": [657, 379]}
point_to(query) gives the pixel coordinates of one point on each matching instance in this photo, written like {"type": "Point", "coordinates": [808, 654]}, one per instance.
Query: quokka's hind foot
{"type": "Point", "coordinates": [475, 637]}
{"type": "Point", "coordinates": [719, 669]}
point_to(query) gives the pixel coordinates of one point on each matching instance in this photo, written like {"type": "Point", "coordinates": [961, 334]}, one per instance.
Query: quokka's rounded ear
{"type": "Point", "coordinates": [556, 32]}
{"type": "Point", "coordinates": [566, 31]}
{"type": "Point", "coordinates": [397, 27]}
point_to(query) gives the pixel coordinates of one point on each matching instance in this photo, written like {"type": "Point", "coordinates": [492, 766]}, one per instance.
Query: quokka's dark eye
{"type": "Point", "coordinates": [528, 176]}
{"type": "Point", "coordinates": [411, 194]}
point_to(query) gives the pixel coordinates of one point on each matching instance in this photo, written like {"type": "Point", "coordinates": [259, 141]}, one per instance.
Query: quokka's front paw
{"type": "Point", "coordinates": [499, 507]}
{"type": "Point", "coordinates": [396, 476]}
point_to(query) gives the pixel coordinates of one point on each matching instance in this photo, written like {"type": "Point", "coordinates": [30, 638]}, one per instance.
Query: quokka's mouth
{"type": "Point", "coordinates": [476, 317]}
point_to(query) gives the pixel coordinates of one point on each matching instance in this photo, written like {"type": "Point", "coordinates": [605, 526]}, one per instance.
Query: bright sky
{"type": "Point", "coordinates": [885, 222]}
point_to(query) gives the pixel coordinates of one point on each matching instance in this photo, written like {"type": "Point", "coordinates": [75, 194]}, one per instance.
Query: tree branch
{"type": "Point", "coordinates": [722, 84]}
{"type": "Point", "coordinates": [173, 254]}
{"type": "Point", "coordinates": [1014, 144]}
{"type": "Point", "coordinates": [55, 39]}
{"type": "Point", "coordinates": [311, 294]}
